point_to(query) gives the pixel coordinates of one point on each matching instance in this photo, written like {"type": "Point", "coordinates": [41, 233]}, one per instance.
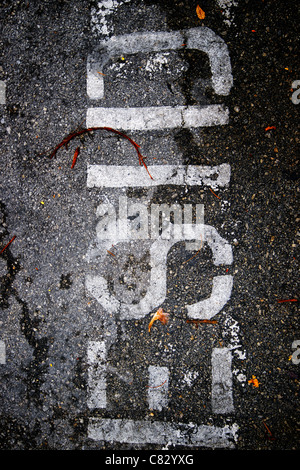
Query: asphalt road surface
{"type": "Point", "coordinates": [149, 295]}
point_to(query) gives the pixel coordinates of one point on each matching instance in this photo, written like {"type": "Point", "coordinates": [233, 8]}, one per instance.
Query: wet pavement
{"type": "Point", "coordinates": [201, 221]}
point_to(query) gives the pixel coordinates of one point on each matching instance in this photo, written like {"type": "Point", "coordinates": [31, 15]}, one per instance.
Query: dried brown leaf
{"type": "Point", "coordinates": [200, 13]}
{"type": "Point", "coordinates": [160, 315]}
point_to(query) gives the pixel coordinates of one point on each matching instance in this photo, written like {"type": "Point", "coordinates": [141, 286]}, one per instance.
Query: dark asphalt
{"type": "Point", "coordinates": [47, 316]}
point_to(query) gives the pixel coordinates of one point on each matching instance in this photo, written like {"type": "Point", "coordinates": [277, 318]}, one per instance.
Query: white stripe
{"type": "Point", "coordinates": [2, 352]}
{"type": "Point", "coordinates": [157, 291]}
{"type": "Point", "coordinates": [202, 38]}
{"type": "Point", "coordinates": [221, 292]}
{"type": "Point", "coordinates": [114, 176]}
{"type": "Point", "coordinates": [97, 374]}
{"type": "Point", "coordinates": [158, 117]}
{"type": "Point", "coordinates": [2, 92]}
{"type": "Point", "coordinates": [158, 432]}
{"type": "Point", "coordinates": [158, 387]}
{"type": "Point", "coordinates": [222, 399]}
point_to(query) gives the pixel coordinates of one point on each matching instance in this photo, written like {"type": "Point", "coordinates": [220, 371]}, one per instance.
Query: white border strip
{"type": "Point", "coordinates": [158, 117]}
{"type": "Point", "coordinates": [2, 92]}
{"type": "Point", "coordinates": [221, 393]}
{"type": "Point", "coordinates": [114, 176]}
{"type": "Point", "coordinates": [2, 352]}
{"type": "Point", "coordinates": [158, 386]}
{"type": "Point", "coordinates": [97, 374]}
{"type": "Point", "coordinates": [161, 433]}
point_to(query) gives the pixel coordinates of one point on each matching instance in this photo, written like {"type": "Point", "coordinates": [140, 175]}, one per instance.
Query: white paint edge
{"type": "Point", "coordinates": [157, 432]}
{"type": "Point", "coordinates": [2, 92]}
{"type": "Point", "coordinates": [221, 394]}
{"type": "Point", "coordinates": [97, 374]}
{"type": "Point", "coordinates": [201, 38]}
{"type": "Point", "coordinates": [156, 293]}
{"type": "Point", "coordinates": [158, 117]}
{"type": "Point", "coordinates": [2, 352]}
{"type": "Point", "coordinates": [158, 385]}
{"type": "Point", "coordinates": [120, 176]}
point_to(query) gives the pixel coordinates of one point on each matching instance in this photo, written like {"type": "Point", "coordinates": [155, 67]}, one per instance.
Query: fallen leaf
{"type": "Point", "coordinates": [200, 13]}
{"type": "Point", "coordinates": [254, 381]}
{"type": "Point", "coordinates": [160, 315]}
{"type": "Point", "coordinates": [269, 128]}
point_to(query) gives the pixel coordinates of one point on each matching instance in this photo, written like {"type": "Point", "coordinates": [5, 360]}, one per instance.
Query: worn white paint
{"type": "Point", "coordinates": [164, 117]}
{"type": "Point", "coordinates": [221, 393]}
{"type": "Point", "coordinates": [156, 293]}
{"type": "Point", "coordinates": [160, 433]}
{"type": "Point", "coordinates": [156, 117]}
{"type": "Point", "coordinates": [121, 176]}
{"type": "Point", "coordinates": [208, 308]}
{"type": "Point", "coordinates": [227, 7]}
{"type": "Point", "coordinates": [296, 95]}
{"type": "Point", "coordinates": [104, 176]}
{"type": "Point", "coordinates": [296, 354]}
{"type": "Point", "coordinates": [101, 13]}
{"type": "Point", "coordinates": [2, 92]}
{"type": "Point", "coordinates": [97, 374]}
{"type": "Point", "coordinates": [2, 352]}
{"type": "Point", "coordinates": [158, 385]}
{"type": "Point", "coordinates": [203, 39]}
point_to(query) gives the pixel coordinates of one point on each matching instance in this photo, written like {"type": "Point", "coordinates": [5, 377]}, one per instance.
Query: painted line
{"type": "Point", "coordinates": [203, 39]}
{"type": "Point", "coordinates": [158, 432]}
{"type": "Point", "coordinates": [114, 176]}
{"type": "Point", "coordinates": [158, 385]}
{"type": "Point", "coordinates": [222, 254]}
{"type": "Point", "coordinates": [222, 398]}
{"type": "Point", "coordinates": [158, 117]}
{"type": "Point", "coordinates": [2, 352]}
{"type": "Point", "coordinates": [296, 95]}
{"type": "Point", "coordinates": [97, 374]}
{"type": "Point", "coordinates": [2, 92]}
{"type": "Point", "coordinates": [208, 308]}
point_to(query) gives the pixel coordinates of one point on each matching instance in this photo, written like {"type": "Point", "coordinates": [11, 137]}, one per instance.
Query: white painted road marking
{"type": "Point", "coordinates": [207, 308]}
{"type": "Point", "coordinates": [2, 92]}
{"type": "Point", "coordinates": [156, 293]}
{"type": "Point", "coordinates": [120, 176]}
{"type": "Point", "coordinates": [221, 395]}
{"type": "Point", "coordinates": [164, 117]}
{"type": "Point", "coordinates": [203, 39]}
{"type": "Point", "coordinates": [104, 176]}
{"type": "Point", "coordinates": [158, 380]}
{"type": "Point", "coordinates": [296, 95]}
{"type": "Point", "coordinates": [296, 354]}
{"type": "Point", "coordinates": [161, 433]}
{"type": "Point", "coordinates": [97, 374]}
{"type": "Point", "coordinates": [158, 117]}
{"type": "Point", "coordinates": [158, 387]}
{"type": "Point", "coordinates": [2, 352]}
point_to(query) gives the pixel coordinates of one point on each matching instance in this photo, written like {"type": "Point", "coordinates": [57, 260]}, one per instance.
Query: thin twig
{"type": "Point", "coordinates": [197, 322]}
{"type": "Point", "coordinates": [80, 132]}
{"type": "Point", "coordinates": [8, 244]}
{"type": "Point", "coordinates": [157, 386]}
{"type": "Point", "coordinates": [75, 157]}
{"type": "Point", "coordinates": [186, 261]}
{"type": "Point", "coordinates": [214, 194]}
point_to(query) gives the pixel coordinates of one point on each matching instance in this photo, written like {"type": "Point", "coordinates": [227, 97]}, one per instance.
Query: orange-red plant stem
{"type": "Point", "coordinates": [8, 244]}
{"type": "Point", "coordinates": [80, 132]}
